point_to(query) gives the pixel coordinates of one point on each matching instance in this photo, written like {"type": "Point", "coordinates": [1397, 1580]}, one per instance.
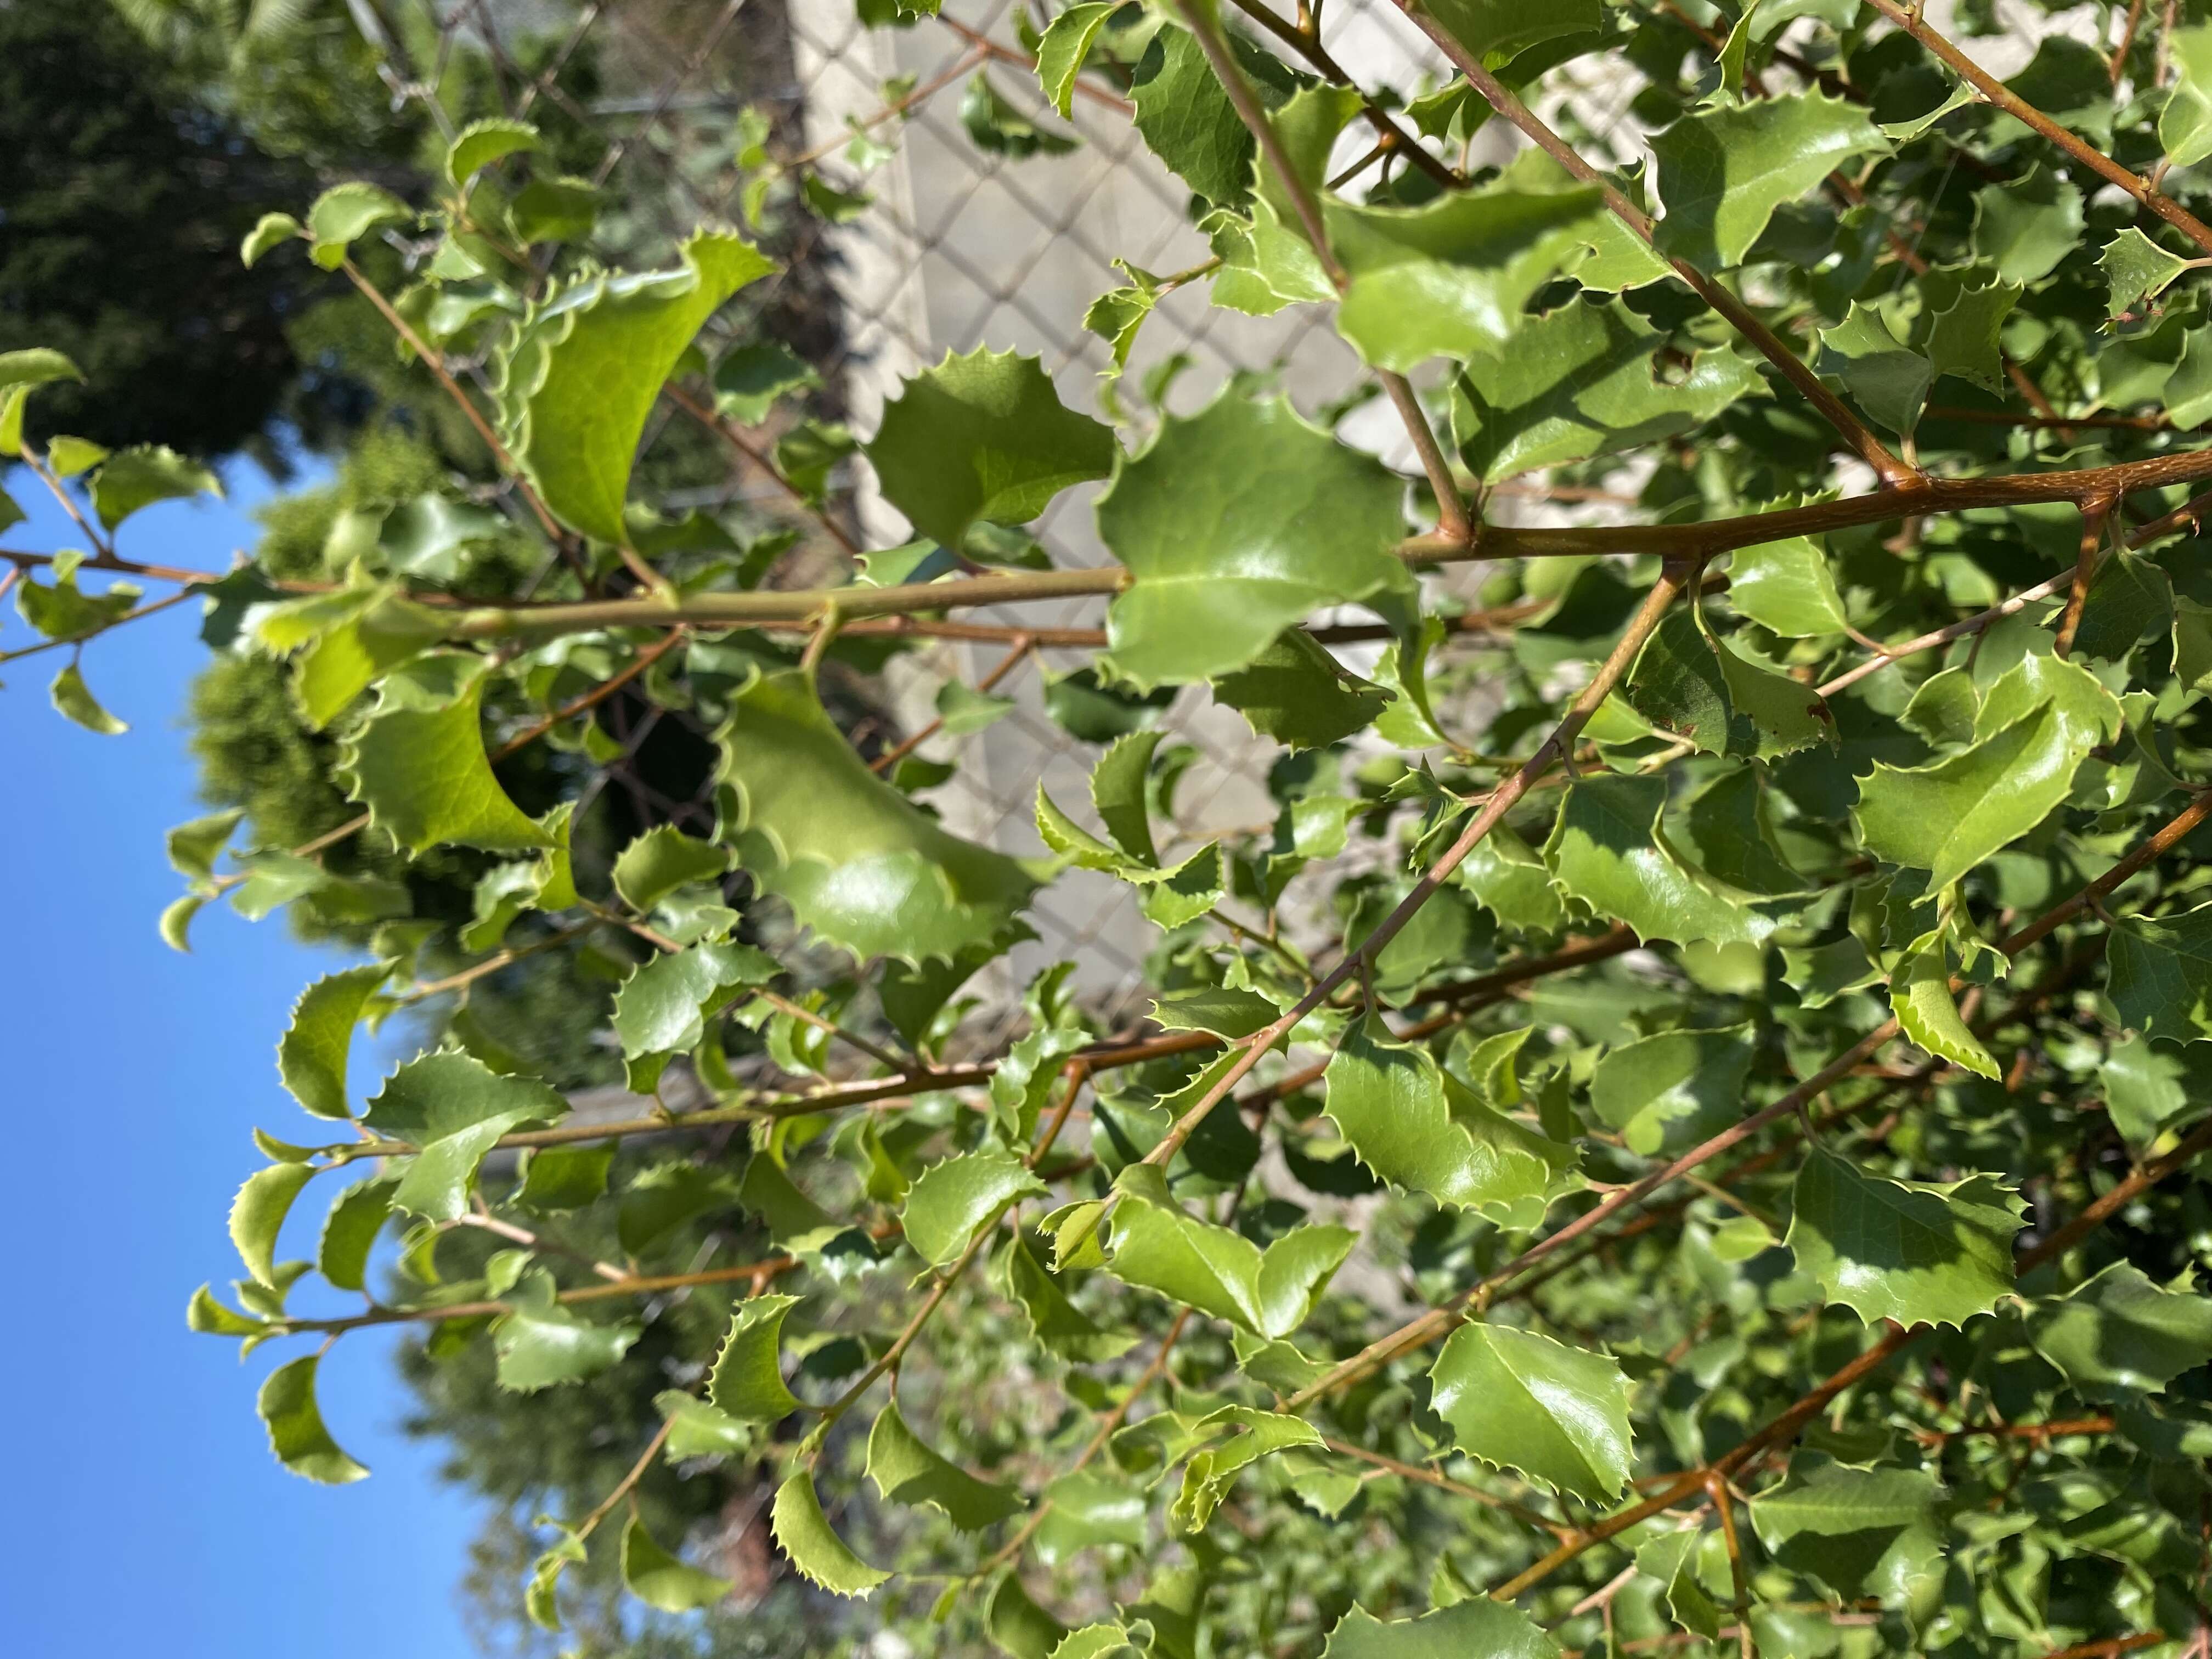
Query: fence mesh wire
{"type": "Point", "coordinates": [934, 244]}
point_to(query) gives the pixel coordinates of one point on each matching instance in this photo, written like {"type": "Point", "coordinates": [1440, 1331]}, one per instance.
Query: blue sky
{"type": "Point", "coordinates": [146, 1514]}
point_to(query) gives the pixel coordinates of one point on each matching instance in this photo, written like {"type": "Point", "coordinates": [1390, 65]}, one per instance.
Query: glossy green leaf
{"type": "Point", "coordinates": [1493, 1630]}
{"type": "Point", "coordinates": [1505, 26]}
{"type": "Point", "coordinates": [1518, 1401]}
{"type": "Point", "coordinates": [270, 230]}
{"type": "Point", "coordinates": [2149, 1085]}
{"type": "Point", "coordinates": [1948, 817]}
{"type": "Point", "coordinates": [2137, 271]}
{"type": "Point", "coordinates": [1017, 1626]}
{"type": "Point", "coordinates": [22, 372]}
{"type": "Point", "coordinates": [1675, 1089]}
{"type": "Point", "coordinates": [345, 213]}
{"type": "Point", "coordinates": [296, 1428]}
{"type": "Point", "coordinates": [480, 144]}
{"type": "Point", "coordinates": [2024, 227]}
{"type": "Point", "coordinates": [1831, 1501]}
{"type": "Point", "coordinates": [540, 1343]}
{"type": "Point", "coordinates": [1607, 850]}
{"type": "Point", "coordinates": [1065, 44]}
{"type": "Point", "coordinates": [1916, 1252]}
{"type": "Point", "coordinates": [1510, 882]}
{"type": "Point", "coordinates": [259, 1210]}
{"type": "Point", "coordinates": [746, 1380]}
{"type": "Point", "coordinates": [661, 861]}
{"type": "Point", "coordinates": [659, 1579]}
{"type": "Point", "coordinates": [584, 371]}
{"type": "Point", "coordinates": [1251, 1435]}
{"type": "Point", "coordinates": [1161, 1246]}
{"type": "Point", "coordinates": [2185, 125]}
{"type": "Point", "coordinates": [907, 1471]}
{"type": "Point", "coordinates": [803, 1535]}
{"type": "Point", "coordinates": [1055, 1320]}
{"type": "Point", "coordinates": [661, 1008]}
{"type": "Point", "coordinates": [451, 1108]}
{"type": "Point", "coordinates": [1186, 119]}
{"type": "Point", "coordinates": [1920, 997]}
{"type": "Point", "coordinates": [418, 764]}
{"type": "Point", "coordinates": [1287, 521]}
{"type": "Point", "coordinates": [2119, 1334]}
{"type": "Point", "coordinates": [948, 1201]}
{"type": "Point", "coordinates": [311, 1056]}
{"type": "Point", "coordinates": [356, 1218]}
{"type": "Point", "coordinates": [1671, 1558]}
{"type": "Point", "coordinates": [1723, 171]}
{"type": "Point", "coordinates": [1690, 684]}
{"type": "Point", "coordinates": [1884, 376]}
{"type": "Point", "coordinates": [983, 439]}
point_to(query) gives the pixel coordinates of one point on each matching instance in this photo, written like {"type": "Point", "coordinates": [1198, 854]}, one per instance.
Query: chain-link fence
{"type": "Point", "coordinates": [918, 241]}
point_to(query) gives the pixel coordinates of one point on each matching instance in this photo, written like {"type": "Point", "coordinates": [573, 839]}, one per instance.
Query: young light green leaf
{"type": "Point", "coordinates": [259, 1212]}
{"type": "Point", "coordinates": [1722, 171]}
{"type": "Point", "coordinates": [1920, 997]}
{"type": "Point", "coordinates": [661, 861]}
{"type": "Point", "coordinates": [296, 1428]}
{"type": "Point", "coordinates": [747, 1380]}
{"type": "Point", "coordinates": [480, 144]}
{"type": "Point", "coordinates": [345, 213]}
{"type": "Point", "coordinates": [948, 1201]}
{"type": "Point", "coordinates": [856, 860]}
{"type": "Point", "coordinates": [982, 438]}
{"type": "Point", "coordinates": [1479, 1625]}
{"type": "Point", "coordinates": [1161, 1246]}
{"type": "Point", "coordinates": [540, 1343]}
{"type": "Point", "coordinates": [356, 1217]}
{"type": "Point", "coordinates": [583, 371]}
{"type": "Point", "coordinates": [451, 1108]}
{"type": "Point", "coordinates": [659, 1579]}
{"type": "Point", "coordinates": [1607, 850]}
{"type": "Point", "coordinates": [907, 1471]}
{"type": "Point", "coordinates": [1065, 44]}
{"type": "Point", "coordinates": [417, 763]}
{"type": "Point", "coordinates": [1417, 1127]}
{"type": "Point", "coordinates": [271, 230]}
{"type": "Point", "coordinates": [2119, 1334]}
{"type": "Point", "coordinates": [661, 1008]}
{"type": "Point", "coordinates": [20, 372]}
{"type": "Point", "coordinates": [1210, 1474]}
{"type": "Point", "coordinates": [1916, 1252]}
{"type": "Point", "coordinates": [311, 1055]}
{"type": "Point", "coordinates": [1518, 1401]}
{"type": "Point", "coordinates": [803, 1533]}
{"type": "Point", "coordinates": [73, 699]}
{"type": "Point", "coordinates": [1235, 524]}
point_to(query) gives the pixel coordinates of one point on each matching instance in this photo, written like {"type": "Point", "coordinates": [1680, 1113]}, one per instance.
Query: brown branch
{"type": "Point", "coordinates": [1022, 644]}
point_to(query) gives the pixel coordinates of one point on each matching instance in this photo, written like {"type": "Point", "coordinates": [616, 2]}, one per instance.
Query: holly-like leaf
{"type": "Point", "coordinates": [72, 698]}
{"type": "Point", "coordinates": [1672, 1559]}
{"type": "Point", "coordinates": [296, 1428]}
{"type": "Point", "coordinates": [259, 1212]}
{"type": "Point", "coordinates": [1722, 171]}
{"type": "Point", "coordinates": [659, 1579]}
{"type": "Point", "coordinates": [1493, 1630]}
{"type": "Point", "coordinates": [345, 213]}
{"type": "Point", "coordinates": [856, 860]}
{"type": "Point", "coordinates": [1055, 1320]}
{"type": "Point", "coordinates": [1504, 27]}
{"type": "Point", "coordinates": [270, 230]}
{"type": "Point", "coordinates": [948, 1201]}
{"type": "Point", "coordinates": [141, 476]}
{"type": "Point", "coordinates": [2161, 974]}
{"type": "Point", "coordinates": [356, 1217]}
{"type": "Point", "coordinates": [2150, 1087]}
{"type": "Point", "coordinates": [1674, 1089]}
{"type": "Point", "coordinates": [480, 144]}
{"type": "Point", "coordinates": [747, 1380]}
{"type": "Point", "coordinates": [1920, 997]}
{"type": "Point", "coordinates": [1828, 1500]}
{"type": "Point", "coordinates": [1518, 1401]}
{"type": "Point", "coordinates": [1916, 1252]}
{"type": "Point", "coordinates": [540, 1343]}
{"type": "Point", "coordinates": [1065, 44]}
{"type": "Point", "coordinates": [1235, 524]}
{"type": "Point", "coordinates": [1161, 1246]}
{"type": "Point", "coordinates": [1418, 1127]}
{"type": "Point", "coordinates": [2024, 227]}
{"type": "Point", "coordinates": [1509, 881]}
{"type": "Point", "coordinates": [1962, 336]}
{"type": "Point", "coordinates": [451, 1108]}
{"type": "Point", "coordinates": [661, 1007]}
{"type": "Point", "coordinates": [1607, 850]}
{"type": "Point", "coordinates": [584, 369]}
{"type": "Point", "coordinates": [1885, 377]}
{"type": "Point", "coordinates": [1689, 683]}
{"type": "Point", "coordinates": [661, 861]}
{"type": "Point", "coordinates": [1582, 381]}
{"type": "Point", "coordinates": [2185, 125]}
{"type": "Point", "coordinates": [311, 1056]}
{"type": "Point", "coordinates": [1186, 118]}
{"type": "Point", "coordinates": [803, 1535]}
{"type": "Point", "coordinates": [21, 373]}
{"type": "Point", "coordinates": [1948, 817]}
{"type": "Point", "coordinates": [2137, 271]}
{"type": "Point", "coordinates": [906, 1470]}
{"type": "Point", "coordinates": [1210, 1474]}
{"type": "Point", "coordinates": [1017, 1626]}
{"type": "Point", "coordinates": [1296, 693]}
{"type": "Point", "coordinates": [2119, 1334]}
{"type": "Point", "coordinates": [982, 438]}
{"type": "Point", "coordinates": [417, 763]}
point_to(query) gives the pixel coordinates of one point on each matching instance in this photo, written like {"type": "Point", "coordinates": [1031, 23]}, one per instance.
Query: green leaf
{"type": "Point", "coordinates": [803, 1533]}
{"type": "Point", "coordinates": [1086, 1509]}
{"type": "Point", "coordinates": [1886, 378]}
{"type": "Point", "coordinates": [2136, 269]}
{"type": "Point", "coordinates": [311, 1056]}
{"type": "Point", "coordinates": [1581, 381]}
{"type": "Point", "coordinates": [1729, 826]}
{"type": "Point", "coordinates": [480, 144]}
{"type": "Point", "coordinates": [1287, 521]}
{"type": "Point", "coordinates": [998, 127]}
{"type": "Point", "coordinates": [1419, 1128]}
{"type": "Point", "coordinates": [1478, 1626]}
{"type": "Point", "coordinates": [1920, 997]}
{"type": "Point", "coordinates": [20, 372]}
{"type": "Point", "coordinates": [1916, 1252]}
{"type": "Point", "coordinates": [296, 1428]}
{"type": "Point", "coordinates": [2119, 1334]}
{"type": "Point", "coordinates": [193, 847]}
{"type": "Point", "coordinates": [1947, 817]}
{"type": "Point", "coordinates": [1962, 337]}
{"type": "Point", "coordinates": [746, 1382]}
{"type": "Point", "coordinates": [982, 438]}
{"type": "Point", "coordinates": [661, 1008]}
{"type": "Point", "coordinates": [750, 378]}
{"type": "Point", "coordinates": [1723, 171]}
{"type": "Point", "coordinates": [661, 861]}
{"type": "Point", "coordinates": [66, 456]}
{"type": "Point", "coordinates": [417, 763]}
{"type": "Point", "coordinates": [1186, 118]}
{"type": "Point", "coordinates": [1017, 1626]}
{"type": "Point", "coordinates": [1210, 1474]}
{"type": "Point", "coordinates": [1298, 694]}
{"type": "Point", "coordinates": [950, 1201]}
{"type": "Point", "coordinates": [663, 1197]}
{"type": "Point", "coordinates": [2024, 227]}
{"type": "Point", "coordinates": [271, 230]}
{"type": "Point", "coordinates": [1159, 1245]}
{"type": "Point", "coordinates": [2161, 974]}
{"type": "Point", "coordinates": [961, 709]}
{"type": "Point", "coordinates": [1607, 850]}
{"type": "Point", "coordinates": [907, 1471]}
{"type": "Point", "coordinates": [1676, 1089]}
{"type": "Point", "coordinates": [1453, 278]}
{"type": "Point", "coordinates": [143, 475]}
{"type": "Point", "coordinates": [1065, 44]}
{"type": "Point", "coordinates": [858, 862]}
{"type": "Point", "coordinates": [2185, 125]}
{"type": "Point", "coordinates": [259, 1212]}
{"type": "Point", "coordinates": [659, 1579]}
{"type": "Point", "coordinates": [540, 1343]}
{"type": "Point", "coordinates": [1509, 881]}
{"type": "Point", "coordinates": [585, 369]}
{"type": "Point", "coordinates": [698, 1430]}
{"type": "Point", "coordinates": [1690, 684]}
{"type": "Point", "coordinates": [1496, 29]}
{"type": "Point", "coordinates": [1222, 1010]}
{"type": "Point", "coordinates": [1671, 1560]}
{"type": "Point", "coordinates": [2148, 1086]}
{"type": "Point", "coordinates": [73, 698]}
{"type": "Point", "coordinates": [1518, 1401]}
{"type": "Point", "coordinates": [206, 1316]}
{"type": "Point", "coordinates": [1830, 1503]}
{"type": "Point", "coordinates": [541, 1596]}
{"type": "Point", "coordinates": [345, 213]}
{"type": "Point", "coordinates": [451, 1108]}
{"type": "Point", "coordinates": [349, 1232]}
{"type": "Point", "coordinates": [1056, 1322]}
